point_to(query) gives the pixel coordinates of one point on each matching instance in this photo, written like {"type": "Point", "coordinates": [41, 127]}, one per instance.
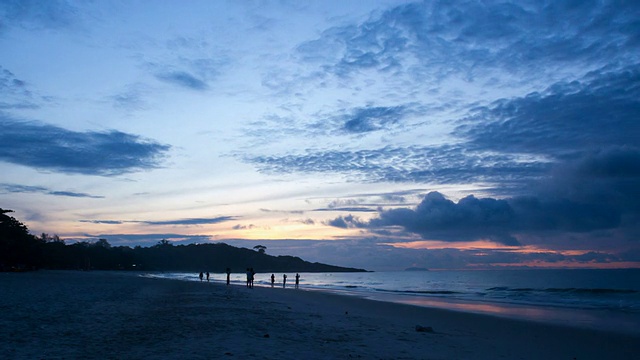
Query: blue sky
{"type": "Point", "coordinates": [375, 134]}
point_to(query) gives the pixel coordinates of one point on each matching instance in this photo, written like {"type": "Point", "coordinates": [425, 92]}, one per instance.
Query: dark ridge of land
{"type": "Point", "coordinates": [21, 251]}
{"type": "Point", "coordinates": [167, 257]}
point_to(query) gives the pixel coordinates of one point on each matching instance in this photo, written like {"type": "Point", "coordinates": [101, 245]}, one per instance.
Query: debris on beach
{"type": "Point", "coordinates": [420, 328]}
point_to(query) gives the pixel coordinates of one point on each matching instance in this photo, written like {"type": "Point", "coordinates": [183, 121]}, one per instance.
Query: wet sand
{"type": "Point", "coordinates": [111, 315]}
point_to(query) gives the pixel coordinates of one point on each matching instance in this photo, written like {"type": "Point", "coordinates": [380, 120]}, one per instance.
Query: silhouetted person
{"type": "Point", "coordinates": [248, 277]}
{"type": "Point", "coordinates": [201, 275]}
{"type": "Point", "coordinates": [284, 280]}
{"type": "Point", "coordinates": [273, 279]}
{"type": "Point", "coordinates": [297, 280]}
{"type": "Point", "coordinates": [253, 275]}
{"type": "Point", "coordinates": [207, 276]}
{"type": "Point", "coordinates": [228, 276]}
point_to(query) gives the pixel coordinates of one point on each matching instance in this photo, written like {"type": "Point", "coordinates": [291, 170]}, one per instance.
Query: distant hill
{"type": "Point", "coordinates": [21, 251]}
{"type": "Point", "coordinates": [168, 257]}
{"type": "Point", "coordinates": [218, 257]}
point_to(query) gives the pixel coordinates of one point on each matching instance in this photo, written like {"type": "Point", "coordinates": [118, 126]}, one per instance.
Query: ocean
{"type": "Point", "coordinates": [597, 299]}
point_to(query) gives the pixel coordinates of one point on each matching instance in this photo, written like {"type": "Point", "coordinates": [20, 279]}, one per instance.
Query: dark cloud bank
{"type": "Point", "coordinates": [50, 147]}
{"type": "Point", "coordinates": [599, 192]}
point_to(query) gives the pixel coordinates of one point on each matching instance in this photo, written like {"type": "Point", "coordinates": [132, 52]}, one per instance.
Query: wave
{"type": "Point", "coordinates": [425, 292]}
{"type": "Point", "coordinates": [586, 291]}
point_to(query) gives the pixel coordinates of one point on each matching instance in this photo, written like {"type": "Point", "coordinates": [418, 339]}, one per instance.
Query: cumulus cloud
{"type": "Point", "coordinates": [53, 148]}
{"type": "Point", "coordinates": [609, 176]}
{"type": "Point", "coordinates": [498, 220]}
{"type": "Point", "coordinates": [346, 222]}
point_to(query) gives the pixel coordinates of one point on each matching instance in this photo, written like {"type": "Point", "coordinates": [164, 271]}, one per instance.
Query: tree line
{"type": "Point", "coordinates": [20, 251]}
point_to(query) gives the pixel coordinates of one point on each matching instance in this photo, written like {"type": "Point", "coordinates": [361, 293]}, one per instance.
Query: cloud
{"type": "Point", "coordinates": [183, 79]}
{"type": "Point", "coordinates": [191, 221]}
{"type": "Point", "coordinates": [15, 188]}
{"type": "Point", "coordinates": [445, 164]}
{"type": "Point", "coordinates": [346, 222]}
{"type": "Point", "coordinates": [433, 40]}
{"type": "Point", "coordinates": [566, 119]}
{"type": "Point", "coordinates": [370, 119]}
{"type": "Point", "coordinates": [132, 98]}
{"type": "Point", "coordinates": [107, 222]}
{"type": "Point", "coordinates": [349, 209]}
{"type": "Point", "coordinates": [439, 218]}
{"type": "Point", "coordinates": [53, 148]}
{"type": "Point", "coordinates": [193, 73]}
{"type": "Point", "coordinates": [609, 176]}
{"type": "Point", "coordinates": [15, 93]}
{"type": "Point", "coordinates": [10, 84]}
{"type": "Point", "coordinates": [498, 220]}
{"type": "Point", "coordinates": [36, 15]}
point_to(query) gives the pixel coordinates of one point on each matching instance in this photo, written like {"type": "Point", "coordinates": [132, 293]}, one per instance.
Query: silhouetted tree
{"type": "Point", "coordinates": [261, 248]}
{"type": "Point", "coordinates": [19, 250]}
{"type": "Point", "coordinates": [103, 243]}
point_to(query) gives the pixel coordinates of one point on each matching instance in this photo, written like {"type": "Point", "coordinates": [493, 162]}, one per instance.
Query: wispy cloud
{"type": "Point", "coordinates": [15, 188]}
{"type": "Point", "coordinates": [526, 38]}
{"type": "Point", "coordinates": [191, 221]}
{"type": "Point", "coordinates": [16, 94]}
{"type": "Point", "coordinates": [190, 72]}
{"type": "Point", "coordinates": [194, 221]}
{"type": "Point", "coordinates": [370, 119]}
{"type": "Point", "coordinates": [183, 79]}
{"type": "Point", "coordinates": [444, 164]}
{"type": "Point", "coordinates": [34, 14]}
{"type": "Point", "coordinates": [50, 147]}
{"type": "Point", "coordinates": [566, 119]}
{"type": "Point", "coordinates": [132, 98]}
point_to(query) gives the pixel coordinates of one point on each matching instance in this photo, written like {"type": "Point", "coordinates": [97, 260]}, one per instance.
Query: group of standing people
{"type": "Point", "coordinates": [202, 276]}
{"type": "Point", "coordinates": [284, 280]}
{"type": "Point", "coordinates": [251, 276]}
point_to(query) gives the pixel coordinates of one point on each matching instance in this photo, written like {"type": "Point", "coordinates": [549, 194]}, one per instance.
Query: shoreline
{"type": "Point", "coordinates": [585, 318]}
{"type": "Point", "coordinates": [53, 315]}
{"type": "Point", "coordinates": [595, 319]}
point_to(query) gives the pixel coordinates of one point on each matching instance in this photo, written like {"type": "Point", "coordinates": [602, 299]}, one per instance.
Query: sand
{"type": "Point", "coordinates": [111, 315]}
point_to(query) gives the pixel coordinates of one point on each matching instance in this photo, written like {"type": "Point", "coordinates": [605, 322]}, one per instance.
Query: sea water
{"type": "Point", "coordinates": [601, 299]}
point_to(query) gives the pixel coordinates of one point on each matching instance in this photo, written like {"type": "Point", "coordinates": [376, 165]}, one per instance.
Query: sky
{"type": "Point", "coordinates": [374, 134]}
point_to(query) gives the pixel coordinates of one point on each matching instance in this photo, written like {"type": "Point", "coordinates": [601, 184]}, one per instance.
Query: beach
{"type": "Point", "coordinates": [118, 315]}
